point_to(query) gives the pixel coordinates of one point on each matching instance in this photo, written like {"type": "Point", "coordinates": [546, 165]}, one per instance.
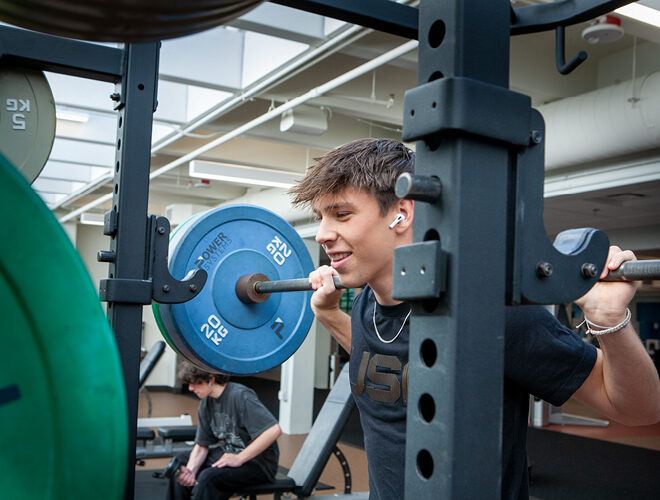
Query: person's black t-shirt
{"type": "Point", "coordinates": [541, 358]}
{"type": "Point", "coordinates": [233, 421]}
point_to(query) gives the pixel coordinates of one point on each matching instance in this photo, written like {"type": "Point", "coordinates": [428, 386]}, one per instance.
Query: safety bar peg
{"type": "Point", "coordinates": [418, 187]}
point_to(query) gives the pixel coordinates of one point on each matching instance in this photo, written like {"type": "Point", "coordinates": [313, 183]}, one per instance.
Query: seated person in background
{"type": "Point", "coordinates": [231, 416]}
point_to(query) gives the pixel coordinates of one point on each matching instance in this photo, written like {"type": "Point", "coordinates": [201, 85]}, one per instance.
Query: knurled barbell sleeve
{"type": "Point", "coordinates": [633, 270]}
{"type": "Point", "coordinates": [293, 285]}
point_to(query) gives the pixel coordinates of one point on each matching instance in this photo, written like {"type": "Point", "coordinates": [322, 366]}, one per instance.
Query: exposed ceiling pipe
{"type": "Point", "coordinates": [309, 58]}
{"type": "Point", "coordinates": [315, 92]}
{"type": "Point", "coordinates": [608, 122]}
{"type": "Point", "coordinates": [304, 61]}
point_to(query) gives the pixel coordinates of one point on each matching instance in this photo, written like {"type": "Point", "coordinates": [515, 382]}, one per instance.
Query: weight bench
{"type": "Point", "coordinates": [315, 452]}
{"type": "Point", "coordinates": [150, 360]}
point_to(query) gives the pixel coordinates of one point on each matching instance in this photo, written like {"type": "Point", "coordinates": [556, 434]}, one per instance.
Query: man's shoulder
{"type": "Point", "coordinates": [239, 392]}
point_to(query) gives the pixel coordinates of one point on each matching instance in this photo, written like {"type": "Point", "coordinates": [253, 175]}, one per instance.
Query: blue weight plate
{"type": "Point", "coordinates": [215, 328]}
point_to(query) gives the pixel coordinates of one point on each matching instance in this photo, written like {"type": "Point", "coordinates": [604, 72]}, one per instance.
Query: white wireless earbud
{"type": "Point", "coordinates": [399, 218]}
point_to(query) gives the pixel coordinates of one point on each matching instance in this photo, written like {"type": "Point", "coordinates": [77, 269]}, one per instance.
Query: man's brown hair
{"type": "Point", "coordinates": [370, 165]}
{"type": "Point", "coordinates": [191, 374]}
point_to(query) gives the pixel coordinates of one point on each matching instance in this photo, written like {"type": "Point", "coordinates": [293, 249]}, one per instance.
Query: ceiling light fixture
{"type": "Point", "coordinates": [92, 219]}
{"type": "Point", "coordinates": [241, 174]}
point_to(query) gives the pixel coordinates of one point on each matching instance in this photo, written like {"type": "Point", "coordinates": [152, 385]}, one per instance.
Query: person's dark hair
{"type": "Point", "coordinates": [190, 374]}
{"type": "Point", "coordinates": [371, 165]}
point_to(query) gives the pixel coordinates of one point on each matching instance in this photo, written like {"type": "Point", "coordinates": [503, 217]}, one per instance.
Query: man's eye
{"type": "Point", "coordinates": [342, 214]}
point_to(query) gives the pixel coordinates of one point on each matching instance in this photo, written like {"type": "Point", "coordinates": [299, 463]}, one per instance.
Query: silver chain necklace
{"type": "Point", "coordinates": [397, 333]}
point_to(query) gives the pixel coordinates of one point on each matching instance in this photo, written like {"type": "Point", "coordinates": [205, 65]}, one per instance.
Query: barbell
{"type": "Point", "coordinates": [236, 325]}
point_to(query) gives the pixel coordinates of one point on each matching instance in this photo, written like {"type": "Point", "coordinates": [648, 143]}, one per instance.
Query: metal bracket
{"type": "Point", "coordinates": [127, 291]}
{"type": "Point", "coordinates": [166, 289]}
{"type": "Point", "coordinates": [160, 286]}
{"type": "Point", "coordinates": [543, 273]}
{"type": "Point", "coordinates": [420, 271]}
{"type": "Point", "coordinates": [465, 105]}
{"type": "Point", "coordinates": [110, 223]}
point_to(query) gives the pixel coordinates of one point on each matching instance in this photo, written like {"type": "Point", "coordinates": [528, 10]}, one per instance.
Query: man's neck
{"type": "Point", "coordinates": [383, 291]}
{"type": "Point", "coordinates": [382, 285]}
{"type": "Point", "coordinates": [217, 390]}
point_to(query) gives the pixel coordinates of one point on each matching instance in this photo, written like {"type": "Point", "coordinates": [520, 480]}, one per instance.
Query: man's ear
{"type": "Point", "coordinates": [407, 209]}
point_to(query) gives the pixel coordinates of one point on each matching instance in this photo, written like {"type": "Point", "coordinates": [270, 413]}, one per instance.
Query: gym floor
{"type": "Point", "coordinates": [642, 443]}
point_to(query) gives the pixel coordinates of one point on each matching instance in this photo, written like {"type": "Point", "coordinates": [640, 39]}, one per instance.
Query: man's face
{"type": "Point", "coordinates": [201, 389]}
{"type": "Point", "coordinates": [356, 237]}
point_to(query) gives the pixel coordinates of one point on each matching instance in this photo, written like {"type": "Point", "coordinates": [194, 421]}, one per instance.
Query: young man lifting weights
{"type": "Point", "coordinates": [351, 191]}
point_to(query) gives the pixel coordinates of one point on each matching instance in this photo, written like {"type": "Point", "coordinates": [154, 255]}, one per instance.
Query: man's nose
{"type": "Point", "coordinates": [326, 233]}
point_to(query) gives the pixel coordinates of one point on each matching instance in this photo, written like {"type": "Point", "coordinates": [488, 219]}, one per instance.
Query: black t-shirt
{"type": "Point", "coordinates": [541, 358]}
{"type": "Point", "coordinates": [233, 421]}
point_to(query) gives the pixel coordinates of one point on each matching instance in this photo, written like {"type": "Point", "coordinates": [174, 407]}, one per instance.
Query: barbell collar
{"type": "Point", "coordinates": [246, 288]}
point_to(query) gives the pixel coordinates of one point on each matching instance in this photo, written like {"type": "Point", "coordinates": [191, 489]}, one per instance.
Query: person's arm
{"type": "Point", "coordinates": [195, 461]}
{"type": "Point", "coordinates": [260, 443]}
{"type": "Point", "coordinates": [325, 305]}
{"type": "Point", "coordinates": [623, 384]}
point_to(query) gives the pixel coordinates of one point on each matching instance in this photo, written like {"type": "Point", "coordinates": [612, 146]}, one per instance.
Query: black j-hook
{"type": "Point", "coordinates": [560, 44]}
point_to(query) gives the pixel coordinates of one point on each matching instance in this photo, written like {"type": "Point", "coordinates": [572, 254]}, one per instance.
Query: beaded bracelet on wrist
{"type": "Point", "coordinates": [603, 330]}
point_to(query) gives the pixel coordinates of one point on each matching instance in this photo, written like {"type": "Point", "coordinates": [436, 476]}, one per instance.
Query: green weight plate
{"type": "Point", "coordinates": [27, 119]}
{"type": "Point", "coordinates": [64, 432]}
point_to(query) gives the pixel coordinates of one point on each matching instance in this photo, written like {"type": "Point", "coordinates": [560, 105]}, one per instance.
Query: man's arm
{"type": "Point", "coordinates": [325, 305]}
{"type": "Point", "coordinates": [260, 443]}
{"type": "Point", "coordinates": [195, 461]}
{"type": "Point", "coordinates": [623, 384]}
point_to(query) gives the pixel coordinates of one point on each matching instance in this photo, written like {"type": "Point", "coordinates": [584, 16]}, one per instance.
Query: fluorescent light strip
{"type": "Point", "coordinates": [72, 117]}
{"type": "Point", "coordinates": [640, 13]}
{"type": "Point", "coordinates": [240, 174]}
{"type": "Point", "coordinates": [92, 219]}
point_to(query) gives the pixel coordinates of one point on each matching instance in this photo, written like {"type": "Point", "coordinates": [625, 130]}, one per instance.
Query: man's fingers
{"type": "Point", "coordinates": [326, 274]}
{"type": "Point", "coordinates": [322, 277]}
{"type": "Point", "coordinates": [615, 258]}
